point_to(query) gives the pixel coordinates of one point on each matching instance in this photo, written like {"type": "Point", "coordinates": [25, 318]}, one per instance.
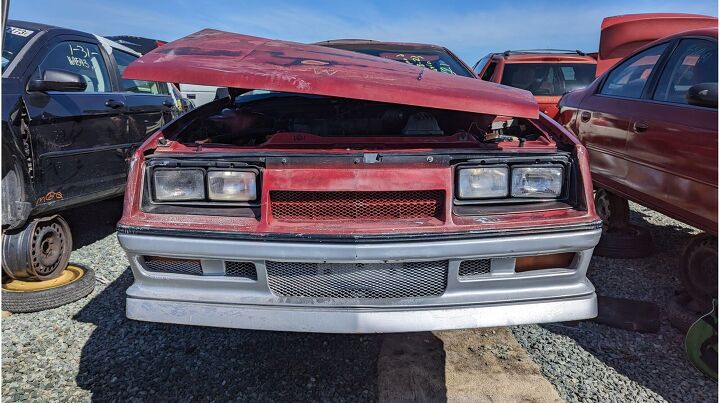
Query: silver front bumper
{"type": "Point", "coordinates": [500, 298]}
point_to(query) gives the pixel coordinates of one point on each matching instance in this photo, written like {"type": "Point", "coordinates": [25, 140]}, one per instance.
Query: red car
{"type": "Point", "coordinates": [352, 194]}
{"type": "Point", "coordinates": [547, 73]}
{"type": "Point", "coordinates": [650, 124]}
{"type": "Point", "coordinates": [432, 57]}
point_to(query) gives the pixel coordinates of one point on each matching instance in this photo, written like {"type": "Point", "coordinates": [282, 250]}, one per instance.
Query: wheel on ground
{"type": "Point", "coordinates": [612, 209]}
{"type": "Point", "coordinates": [699, 268]}
{"type": "Point", "coordinates": [39, 251]}
{"type": "Point", "coordinates": [627, 242]}
{"type": "Point", "coordinates": [75, 282]}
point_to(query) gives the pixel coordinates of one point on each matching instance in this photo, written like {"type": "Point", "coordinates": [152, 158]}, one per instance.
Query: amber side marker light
{"type": "Point", "coordinates": [554, 261]}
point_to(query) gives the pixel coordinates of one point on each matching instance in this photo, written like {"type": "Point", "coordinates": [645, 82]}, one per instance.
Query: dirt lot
{"type": "Point", "coordinates": [88, 350]}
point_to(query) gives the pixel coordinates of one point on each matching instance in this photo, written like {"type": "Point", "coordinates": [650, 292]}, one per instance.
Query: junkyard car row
{"type": "Point", "coordinates": [337, 190]}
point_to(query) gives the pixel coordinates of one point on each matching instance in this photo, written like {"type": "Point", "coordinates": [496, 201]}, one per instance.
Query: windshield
{"type": "Point", "coordinates": [14, 40]}
{"type": "Point", "coordinates": [430, 58]}
{"type": "Point", "coordinates": [548, 79]}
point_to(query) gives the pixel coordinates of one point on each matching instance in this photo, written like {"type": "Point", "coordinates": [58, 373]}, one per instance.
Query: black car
{"type": "Point", "coordinates": [69, 126]}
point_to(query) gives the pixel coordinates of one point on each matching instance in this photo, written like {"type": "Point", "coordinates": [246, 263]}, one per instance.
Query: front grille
{"type": "Point", "coordinates": [357, 280]}
{"type": "Point", "coordinates": [306, 206]}
{"type": "Point", "coordinates": [240, 269]}
{"type": "Point", "coordinates": [474, 267]}
{"type": "Point", "coordinates": [169, 265]}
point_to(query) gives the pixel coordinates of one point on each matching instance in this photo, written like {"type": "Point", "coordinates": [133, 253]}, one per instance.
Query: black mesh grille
{"type": "Point", "coordinates": [357, 280]}
{"type": "Point", "coordinates": [240, 269]}
{"type": "Point", "coordinates": [475, 267]}
{"type": "Point", "coordinates": [169, 265]}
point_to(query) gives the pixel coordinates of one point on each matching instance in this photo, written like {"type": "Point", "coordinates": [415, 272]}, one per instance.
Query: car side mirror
{"type": "Point", "coordinates": [703, 94]}
{"type": "Point", "coordinates": [57, 80]}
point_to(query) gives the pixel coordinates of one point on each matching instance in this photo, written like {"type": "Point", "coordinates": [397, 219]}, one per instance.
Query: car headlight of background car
{"type": "Point", "coordinates": [493, 182]}
{"type": "Point", "coordinates": [195, 184]}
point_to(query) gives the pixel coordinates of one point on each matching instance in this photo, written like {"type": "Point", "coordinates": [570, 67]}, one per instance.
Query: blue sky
{"type": "Point", "coordinates": [469, 28]}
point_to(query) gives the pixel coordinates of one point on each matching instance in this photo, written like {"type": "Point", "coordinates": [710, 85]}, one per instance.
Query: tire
{"type": "Point", "coordinates": [699, 268]}
{"type": "Point", "coordinates": [21, 296]}
{"type": "Point", "coordinates": [628, 242]}
{"type": "Point", "coordinates": [612, 209]}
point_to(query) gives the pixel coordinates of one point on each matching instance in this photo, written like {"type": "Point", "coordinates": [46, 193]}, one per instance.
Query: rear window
{"type": "Point", "coordinates": [14, 40]}
{"type": "Point", "coordinates": [548, 79]}
{"type": "Point", "coordinates": [433, 59]}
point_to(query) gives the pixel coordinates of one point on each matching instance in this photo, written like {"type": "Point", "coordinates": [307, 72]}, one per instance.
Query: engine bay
{"type": "Point", "coordinates": [275, 119]}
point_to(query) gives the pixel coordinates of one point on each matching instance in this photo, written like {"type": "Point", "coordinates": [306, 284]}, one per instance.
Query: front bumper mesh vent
{"type": "Point", "coordinates": [328, 206]}
{"type": "Point", "coordinates": [358, 280]}
{"type": "Point", "coordinates": [478, 267]}
{"type": "Point", "coordinates": [240, 269]}
{"type": "Point", "coordinates": [170, 265]}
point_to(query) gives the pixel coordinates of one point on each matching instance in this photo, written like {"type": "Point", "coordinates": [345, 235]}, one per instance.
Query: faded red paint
{"type": "Point", "coordinates": [364, 177]}
{"type": "Point", "coordinates": [218, 58]}
{"type": "Point", "coordinates": [623, 34]}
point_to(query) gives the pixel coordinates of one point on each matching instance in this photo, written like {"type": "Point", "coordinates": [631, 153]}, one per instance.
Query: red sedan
{"type": "Point", "coordinates": [650, 124]}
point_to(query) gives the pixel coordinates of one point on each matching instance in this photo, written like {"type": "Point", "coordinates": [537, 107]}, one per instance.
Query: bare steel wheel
{"type": "Point", "coordinates": [612, 209]}
{"type": "Point", "coordinates": [39, 251]}
{"type": "Point", "coordinates": [699, 268]}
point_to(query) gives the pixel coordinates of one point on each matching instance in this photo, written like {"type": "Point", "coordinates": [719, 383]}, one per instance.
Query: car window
{"type": "Point", "coordinates": [481, 64]}
{"type": "Point", "coordinates": [80, 58]}
{"type": "Point", "coordinates": [548, 79]}
{"type": "Point", "coordinates": [694, 61]}
{"type": "Point", "coordinates": [487, 75]}
{"type": "Point", "coordinates": [14, 40]}
{"type": "Point", "coordinates": [628, 79]}
{"type": "Point", "coordinates": [123, 60]}
{"type": "Point", "coordinates": [431, 58]}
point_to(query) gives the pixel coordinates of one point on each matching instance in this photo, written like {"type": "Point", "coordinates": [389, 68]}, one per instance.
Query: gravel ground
{"type": "Point", "coordinates": [594, 362]}
{"type": "Point", "coordinates": [89, 350]}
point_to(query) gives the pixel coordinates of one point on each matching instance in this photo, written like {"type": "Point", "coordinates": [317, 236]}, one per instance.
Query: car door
{"type": "Point", "coordinates": [79, 139]}
{"type": "Point", "coordinates": [148, 103]}
{"type": "Point", "coordinates": [673, 145]}
{"type": "Point", "coordinates": [604, 117]}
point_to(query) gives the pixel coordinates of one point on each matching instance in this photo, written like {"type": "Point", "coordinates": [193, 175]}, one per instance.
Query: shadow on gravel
{"type": "Point", "coordinates": [92, 222]}
{"type": "Point", "coordinates": [125, 359]}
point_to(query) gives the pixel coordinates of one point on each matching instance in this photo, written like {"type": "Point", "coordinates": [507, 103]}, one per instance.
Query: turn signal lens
{"type": "Point", "coordinates": [554, 261]}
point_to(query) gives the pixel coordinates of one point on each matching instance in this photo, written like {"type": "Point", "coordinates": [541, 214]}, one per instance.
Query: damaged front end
{"type": "Point", "coordinates": [336, 210]}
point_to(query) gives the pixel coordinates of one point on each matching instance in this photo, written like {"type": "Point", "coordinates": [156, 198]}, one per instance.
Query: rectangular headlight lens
{"type": "Point", "coordinates": [540, 182]}
{"type": "Point", "coordinates": [231, 185]}
{"type": "Point", "coordinates": [179, 184]}
{"type": "Point", "coordinates": [483, 183]}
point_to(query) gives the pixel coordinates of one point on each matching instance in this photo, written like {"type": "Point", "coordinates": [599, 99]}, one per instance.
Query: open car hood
{"type": "Point", "coordinates": [217, 58]}
{"type": "Point", "coordinates": [623, 34]}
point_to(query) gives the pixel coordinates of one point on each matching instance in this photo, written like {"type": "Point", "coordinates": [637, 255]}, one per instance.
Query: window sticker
{"type": "Point", "coordinates": [19, 31]}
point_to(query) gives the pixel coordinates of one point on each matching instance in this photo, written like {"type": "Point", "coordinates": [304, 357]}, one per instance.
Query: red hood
{"type": "Point", "coordinates": [218, 58]}
{"type": "Point", "coordinates": [623, 34]}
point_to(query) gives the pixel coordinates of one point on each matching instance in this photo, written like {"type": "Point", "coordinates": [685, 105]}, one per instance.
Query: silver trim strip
{"type": "Point", "coordinates": [364, 252]}
{"type": "Point", "coordinates": [360, 320]}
